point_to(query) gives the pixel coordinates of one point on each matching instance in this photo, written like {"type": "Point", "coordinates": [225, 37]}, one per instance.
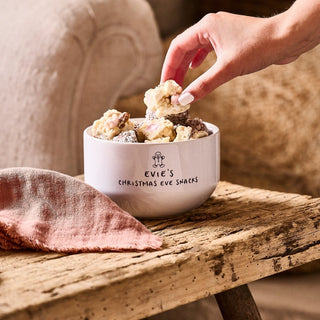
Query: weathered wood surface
{"type": "Point", "coordinates": [238, 236]}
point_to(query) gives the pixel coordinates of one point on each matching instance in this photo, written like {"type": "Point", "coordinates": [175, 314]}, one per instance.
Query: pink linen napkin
{"type": "Point", "coordinates": [50, 211]}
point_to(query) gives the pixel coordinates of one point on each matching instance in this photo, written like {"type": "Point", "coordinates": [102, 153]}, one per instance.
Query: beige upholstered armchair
{"type": "Point", "coordinates": [62, 64]}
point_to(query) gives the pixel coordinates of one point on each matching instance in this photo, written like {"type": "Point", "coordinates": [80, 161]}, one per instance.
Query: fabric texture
{"type": "Point", "coordinates": [64, 63]}
{"type": "Point", "coordinates": [46, 210]}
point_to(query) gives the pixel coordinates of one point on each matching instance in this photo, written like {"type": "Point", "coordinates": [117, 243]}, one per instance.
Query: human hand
{"type": "Point", "coordinates": [242, 45]}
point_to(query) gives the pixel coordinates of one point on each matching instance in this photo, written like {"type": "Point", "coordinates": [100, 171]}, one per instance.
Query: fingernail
{"type": "Point", "coordinates": [185, 98]}
{"type": "Point", "coordinates": [174, 99]}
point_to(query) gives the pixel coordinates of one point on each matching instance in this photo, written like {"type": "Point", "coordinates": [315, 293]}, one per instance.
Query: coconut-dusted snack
{"type": "Point", "coordinates": [176, 119]}
{"type": "Point", "coordinates": [156, 129]}
{"type": "Point", "coordinates": [129, 136]}
{"type": "Point", "coordinates": [183, 133]}
{"type": "Point", "coordinates": [158, 99]}
{"type": "Point", "coordinates": [111, 124]}
{"type": "Point", "coordinates": [150, 115]}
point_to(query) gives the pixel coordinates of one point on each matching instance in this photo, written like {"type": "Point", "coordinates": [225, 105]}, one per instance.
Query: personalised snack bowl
{"type": "Point", "coordinates": [154, 180]}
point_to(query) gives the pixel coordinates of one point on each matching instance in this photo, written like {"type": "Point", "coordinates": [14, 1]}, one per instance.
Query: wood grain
{"type": "Point", "coordinates": [237, 304]}
{"type": "Point", "coordinates": [239, 235]}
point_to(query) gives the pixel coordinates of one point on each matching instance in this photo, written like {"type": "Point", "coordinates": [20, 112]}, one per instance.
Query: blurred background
{"type": "Point", "coordinates": [175, 15]}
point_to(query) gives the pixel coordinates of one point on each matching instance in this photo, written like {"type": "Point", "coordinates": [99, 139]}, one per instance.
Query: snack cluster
{"type": "Point", "coordinates": [163, 122]}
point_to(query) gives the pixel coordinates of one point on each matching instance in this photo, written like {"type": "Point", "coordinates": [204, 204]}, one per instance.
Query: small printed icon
{"type": "Point", "coordinates": [158, 157]}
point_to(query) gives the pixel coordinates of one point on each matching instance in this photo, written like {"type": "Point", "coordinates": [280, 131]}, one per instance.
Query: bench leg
{"type": "Point", "coordinates": [237, 304]}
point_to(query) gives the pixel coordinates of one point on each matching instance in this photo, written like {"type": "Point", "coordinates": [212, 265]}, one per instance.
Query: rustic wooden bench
{"type": "Point", "coordinates": [239, 235]}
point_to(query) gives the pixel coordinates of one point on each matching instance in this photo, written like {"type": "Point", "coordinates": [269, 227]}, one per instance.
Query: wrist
{"type": "Point", "coordinates": [296, 30]}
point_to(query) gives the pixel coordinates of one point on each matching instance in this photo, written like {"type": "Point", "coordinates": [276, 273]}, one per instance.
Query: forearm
{"type": "Point", "coordinates": [242, 44]}
{"type": "Point", "coordinates": [298, 28]}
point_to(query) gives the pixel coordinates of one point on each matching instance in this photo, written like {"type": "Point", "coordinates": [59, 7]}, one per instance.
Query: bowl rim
{"type": "Point", "coordinates": [215, 131]}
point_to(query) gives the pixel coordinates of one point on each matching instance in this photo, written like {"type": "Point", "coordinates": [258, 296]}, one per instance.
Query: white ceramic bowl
{"type": "Point", "coordinates": [154, 179]}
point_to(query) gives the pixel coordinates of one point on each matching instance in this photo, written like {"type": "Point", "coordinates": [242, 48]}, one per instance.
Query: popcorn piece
{"type": "Point", "coordinates": [158, 99]}
{"type": "Point", "coordinates": [157, 129]}
{"type": "Point", "coordinates": [160, 140]}
{"type": "Point", "coordinates": [183, 133]}
{"type": "Point", "coordinates": [126, 137]}
{"type": "Point", "coordinates": [111, 124]}
{"type": "Point", "coordinates": [199, 134]}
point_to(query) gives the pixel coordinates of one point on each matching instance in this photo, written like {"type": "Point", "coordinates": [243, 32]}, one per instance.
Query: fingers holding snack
{"type": "Point", "coordinates": [164, 120]}
{"type": "Point", "coordinates": [159, 100]}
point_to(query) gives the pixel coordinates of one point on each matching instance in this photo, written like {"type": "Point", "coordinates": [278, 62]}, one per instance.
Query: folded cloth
{"type": "Point", "coordinates": [50, 211]}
